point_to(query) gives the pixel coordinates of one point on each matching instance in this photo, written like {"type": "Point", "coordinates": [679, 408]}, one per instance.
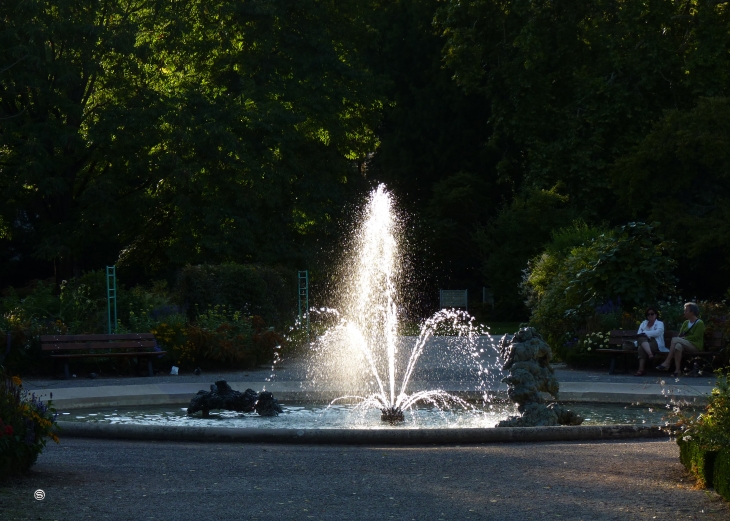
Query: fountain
{"type": "Point", "coordinates": [366, 361]}
{"type": "Point", "coordinates": [363, 353]}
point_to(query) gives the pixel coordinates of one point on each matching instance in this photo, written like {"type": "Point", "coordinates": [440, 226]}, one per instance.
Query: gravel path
{"type": "Point", "coordinates": [101, 479]}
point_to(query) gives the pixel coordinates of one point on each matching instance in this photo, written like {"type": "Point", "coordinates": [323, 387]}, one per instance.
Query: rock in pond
{"type": "Point", "coordinates": [222, 397]}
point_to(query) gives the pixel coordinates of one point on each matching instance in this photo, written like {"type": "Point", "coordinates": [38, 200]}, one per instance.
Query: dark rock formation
{"type": "Point", "coordinates": [527, 357]}
{"type": "Point", "coordinates": [266, 404]}
{"type": "Point", "coordinates": [221, 396]}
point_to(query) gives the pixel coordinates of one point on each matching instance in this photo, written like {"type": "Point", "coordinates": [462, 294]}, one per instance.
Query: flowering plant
{"type": "Point", "coordinates": [25, 425]}
{"type": "Point", "coordinates": [711, 429]}
{"type": "Point", "coordinates": [593, 341]}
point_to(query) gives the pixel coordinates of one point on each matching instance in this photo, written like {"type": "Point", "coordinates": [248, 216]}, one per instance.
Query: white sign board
{"type": "Point", "coordinates": [453, 298]}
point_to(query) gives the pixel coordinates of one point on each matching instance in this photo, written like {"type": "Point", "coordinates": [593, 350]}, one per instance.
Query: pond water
{"type": "Point", "coordinates": [320, 416]}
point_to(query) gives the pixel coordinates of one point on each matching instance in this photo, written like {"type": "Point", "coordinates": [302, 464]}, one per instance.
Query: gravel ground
{"type": "Point", "coordinates": [102, 479]}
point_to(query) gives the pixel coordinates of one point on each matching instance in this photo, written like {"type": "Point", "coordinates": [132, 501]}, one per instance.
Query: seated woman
{"type": "Point", "coordinates": [651, 339]}
{"type": "Point", "coordinates": [690, 340]}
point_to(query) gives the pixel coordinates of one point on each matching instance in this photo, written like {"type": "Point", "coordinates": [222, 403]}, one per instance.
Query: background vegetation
{"type": "Point", "coordinates": [158, 135]}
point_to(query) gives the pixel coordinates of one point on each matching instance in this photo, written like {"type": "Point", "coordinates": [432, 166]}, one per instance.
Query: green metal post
{"type": "Point", "coordinates": [304, 297]}
{"type": "Point", "coordinates": [111, 295]}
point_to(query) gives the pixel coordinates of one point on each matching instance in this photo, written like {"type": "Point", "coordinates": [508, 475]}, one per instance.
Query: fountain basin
{"type": "Point", "coordinates": [308, 416]}
{"type": "Point", "coordinates": [398, 436]}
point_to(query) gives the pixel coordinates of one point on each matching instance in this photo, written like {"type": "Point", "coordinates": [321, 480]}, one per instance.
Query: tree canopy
{"type": "Point", "coordinates": [158, 134]}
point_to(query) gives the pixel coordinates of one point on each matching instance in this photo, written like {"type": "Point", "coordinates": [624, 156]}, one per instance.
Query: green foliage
{"type": "Point", "coordinates": [25, 424]}
{"type": "Point", "coordinates": [621, 102]}
{"type": "Point", "coordinates": [252, 290]}
{"type": "Point", "coordinates": [685, 159]}
{"type": "Point", "coordinates": [458, 207]}
{"type": "Point", "coordinates": [575, 84]}
{"type": "Point", "coordinates": [711, 430]}
{"type": "Point", "coordinates": [635, 264]}
{"type": "Point", "coordinates": [507, 244]}
{"type": "Point", "coordinates": [161, 134]}
{"type": "Point", "coordinates": [698, 461]}
{"type": "Point", "coordinates": [703, 436]}
{"type": "Point", "coordinates": [78, 306]}
{"type": "Point", "coordinates": [545, 268]}
{"type": "Point", "coordinates": [431, 130]}
{"type": "Point", "coordinates": [721, 475]}
{"type": "Point", "coordinates": [179, 132]}
{"type": "Point", "coordinates": [224, 338]}
{"type": "Point", "coordinates": [630, 265]}
{"type": "Point", "coordinates": [219, 329]}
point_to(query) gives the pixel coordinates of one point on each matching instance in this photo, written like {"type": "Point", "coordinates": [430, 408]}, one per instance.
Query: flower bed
{"type": "Point", "coordinates": [26, 423]}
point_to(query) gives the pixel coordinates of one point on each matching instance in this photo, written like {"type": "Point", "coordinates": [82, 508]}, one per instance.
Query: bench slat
{"type": "Point", "coordinates": [98, 345]}
{"type": "Point", "coordinates": [98, 338]}
{"type": "Point", "coordinates": [99, 355]}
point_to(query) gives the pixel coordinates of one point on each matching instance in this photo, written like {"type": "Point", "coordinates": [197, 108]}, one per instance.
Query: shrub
{"type": "Point", "coordinates": [704, 436]}
{"type": "Point", "coordinates": [567, 285]}
{"type": "Point", "coordinates": [78, 306]}
{"type": "Point", "coordinates": [25, 425]}
{"type": "Point", "coordinates": [220, 337]}
{"type": "Point", "coordinates": [250, 289]}
{"type": "Point", "coordinates": [698, 461]}
{"type": "Point", "coordinates": [721, 474]}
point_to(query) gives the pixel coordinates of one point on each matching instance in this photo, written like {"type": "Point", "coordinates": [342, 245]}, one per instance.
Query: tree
{"type": "Point", "coordinates": [508, 242]}
{"type": "Point", "coordinates": [79, 121]}
{"type": "Point", "coordinates": [573, 85]}
{"type": "Point", "coordinates": [684, 163]}
{"type": "Point", "coordinates": [180, 132]}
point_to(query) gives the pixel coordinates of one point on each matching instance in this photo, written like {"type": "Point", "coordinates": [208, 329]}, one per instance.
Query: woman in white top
{"type": "Point", "coordinates": [651, 339]}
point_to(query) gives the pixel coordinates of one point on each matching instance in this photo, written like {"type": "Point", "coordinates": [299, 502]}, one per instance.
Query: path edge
{"type": "Point", "coordinates": [391, 436]}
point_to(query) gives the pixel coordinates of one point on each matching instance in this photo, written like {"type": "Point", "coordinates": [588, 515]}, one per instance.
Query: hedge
{"type": "Point", "coordinates": [254, 290]}
{"type": "Point", "coordinates": [698, 461]}
{"type": "Point", "coordinates": [721, 474]}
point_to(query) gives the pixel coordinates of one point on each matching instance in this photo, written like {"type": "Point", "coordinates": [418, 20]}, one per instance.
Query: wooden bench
{"type": "Point", "coordinates": [133, 345]}
{"type": "Point", "coordinates": [704, 360]}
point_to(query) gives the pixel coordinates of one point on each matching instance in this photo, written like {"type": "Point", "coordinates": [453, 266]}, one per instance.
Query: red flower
{"type": "Point", "coordinates": [9, 430]}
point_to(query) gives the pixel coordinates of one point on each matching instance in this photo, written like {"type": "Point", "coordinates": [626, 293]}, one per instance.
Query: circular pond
{"type": "Point", "coordinates": [320, 416]}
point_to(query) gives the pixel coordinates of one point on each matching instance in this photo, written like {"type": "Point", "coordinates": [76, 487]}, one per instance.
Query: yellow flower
{"type": "Point", "coordinates": [17, 381]}
{"type": "Point", "coordinates": [54, 437]}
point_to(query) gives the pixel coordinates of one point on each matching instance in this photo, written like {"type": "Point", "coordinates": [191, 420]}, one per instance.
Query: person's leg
{"type": "Point", "coordinates": [647, 349]}
{"type": "Point", "coordinates": [682, 345]}
{"type": "Point", "coordinates": [644, 353]}
{"type": "Point", "coordinates": [670, 355]}
{"type": "Point", "coordinates": [641, 355]}
{"type": "Point", "coordinates": [677, 359]}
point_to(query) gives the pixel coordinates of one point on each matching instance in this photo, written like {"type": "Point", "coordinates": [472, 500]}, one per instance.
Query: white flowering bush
{"type": "Point", "coordinates": [592, 341]}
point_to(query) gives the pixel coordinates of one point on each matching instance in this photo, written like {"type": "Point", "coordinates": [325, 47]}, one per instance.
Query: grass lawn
{"type": "Point", "coordinates": [503, 328]}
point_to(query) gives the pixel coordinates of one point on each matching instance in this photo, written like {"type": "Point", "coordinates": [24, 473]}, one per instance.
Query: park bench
{"type": "Point", "coordinates": [133, 345]}
{"type": "Point", "coordinates": [715, 350]}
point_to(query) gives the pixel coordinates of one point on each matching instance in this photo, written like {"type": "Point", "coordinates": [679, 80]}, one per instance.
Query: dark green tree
{"type": "Point", "coordinates": [79, 120]}
{"type": "Point", "coordinates": [181, 132]}
{"type": "Point", "coordinates": [573, 85]}
{"type": "Point", "coordinates": [508, 242]}
{"type": "Point", "coordinates": [680, 175]}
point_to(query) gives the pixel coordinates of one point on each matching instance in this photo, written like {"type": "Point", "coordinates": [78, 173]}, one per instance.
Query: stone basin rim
{"type": "Point", "coordinates": [385, 436]}
{"type": "Point", "coordinates": [131, 400]}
